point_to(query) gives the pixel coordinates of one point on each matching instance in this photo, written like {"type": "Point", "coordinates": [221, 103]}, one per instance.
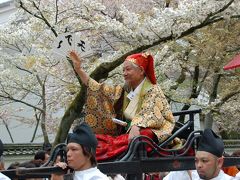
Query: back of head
{"type": "Point", "coordinates": [40, 155]}
{"type": "Point", "coordinates": [212, 143]}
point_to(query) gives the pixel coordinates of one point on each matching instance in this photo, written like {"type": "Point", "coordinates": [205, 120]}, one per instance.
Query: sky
{"type": "Point", "coordinates": [2, 1]}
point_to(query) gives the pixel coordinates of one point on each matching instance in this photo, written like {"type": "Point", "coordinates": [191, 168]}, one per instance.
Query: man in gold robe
{"type": "Point", "coordinates": [140, 103]}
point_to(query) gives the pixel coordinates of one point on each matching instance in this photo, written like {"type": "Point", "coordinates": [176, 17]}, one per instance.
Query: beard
{"type": "Point", "coordinates": [126, 87]}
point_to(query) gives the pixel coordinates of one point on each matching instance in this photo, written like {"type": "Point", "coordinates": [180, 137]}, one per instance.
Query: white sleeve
{"type": "Point", "coordinates": [3, 177]}
{"type": "Point", "coordinates": [237, 177]}
{"type": "Point", "coordinates": [168, 176]}
{"type": "Point", "coordinates": [180, 175]}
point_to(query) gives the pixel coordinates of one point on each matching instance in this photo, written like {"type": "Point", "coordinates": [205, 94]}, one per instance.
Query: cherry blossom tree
{"type": "Point", "coordinates": [28, 77]}
{"type": "Point", "coordinates": [204, 53]}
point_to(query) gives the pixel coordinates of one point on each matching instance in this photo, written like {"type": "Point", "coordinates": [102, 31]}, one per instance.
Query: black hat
{"type": "Point", "coordinates": [1, 148]}
{"type": "Point", "coordinates": [212, 143]}
{"type": "Point", "coordinates": [83, 135]}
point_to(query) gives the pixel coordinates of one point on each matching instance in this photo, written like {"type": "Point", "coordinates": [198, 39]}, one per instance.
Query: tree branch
{"type": "Point", "coordinates": [39, 17]}
{"type": "Point", "coordinates": [20, 101]}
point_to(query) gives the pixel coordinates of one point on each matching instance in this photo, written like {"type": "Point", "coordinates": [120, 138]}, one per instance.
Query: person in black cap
{"type": "Point", "coordinates": [209, 157]}
{"type": "Point", "coordinates": [81, 150]}
{"type": "Point", "coordinates": [208, 160]}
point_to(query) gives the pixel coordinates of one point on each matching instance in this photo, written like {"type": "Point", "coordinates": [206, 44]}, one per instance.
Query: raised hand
{"type": "Point", "coordinates": [77, 66]}
{"type": "Point", "coordinates": [75, 59]}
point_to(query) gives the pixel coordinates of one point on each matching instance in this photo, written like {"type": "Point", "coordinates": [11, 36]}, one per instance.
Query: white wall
{"type": "Point", "coordinates": [6, 9]}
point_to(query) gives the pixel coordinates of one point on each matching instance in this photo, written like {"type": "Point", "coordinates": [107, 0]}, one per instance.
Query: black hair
{"type": "Point", "coordinates": [40, 155]}
{"type": "Point", "coordinates": [89, 152]}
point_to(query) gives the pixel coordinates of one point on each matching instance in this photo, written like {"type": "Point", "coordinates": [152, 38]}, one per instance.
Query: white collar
{"type": "Point", "coordinates": [85, 171]}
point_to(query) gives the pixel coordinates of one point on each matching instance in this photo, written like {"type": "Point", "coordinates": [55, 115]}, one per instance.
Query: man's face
{"type": "Point", "coordinates": [207, 165]}
{"type": "Point", "coordinates": [75, 157]}
{"type": "Point", "coordinates": [133, 75]}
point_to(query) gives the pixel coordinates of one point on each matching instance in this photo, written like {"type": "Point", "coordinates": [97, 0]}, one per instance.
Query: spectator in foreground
{"type": "Point", "coordinates": [208, 161]}
{"type": "Point", "coordinates": [81, 149]}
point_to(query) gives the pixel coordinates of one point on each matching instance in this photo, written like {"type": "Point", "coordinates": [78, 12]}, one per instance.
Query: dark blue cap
{"type": "Point", "coordinates": [212, 143]}
{"type": "Point", "coordinates": [83, 135]}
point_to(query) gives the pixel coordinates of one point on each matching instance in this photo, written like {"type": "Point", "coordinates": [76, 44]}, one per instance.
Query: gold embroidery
{"type": "Point", "coordinates": [169, 117]}
{"type": "Point", "coordinates": [107, 90]}
{"type": "Point", "coordinates": [151, 123]}
{"type": "Point", "coordinates": [137, 120]}
{"type": "Point", "coordinates": [146, 54]}
{"type": "Point", "coordinates": [157, 112]}
{"type": "Point", "coordinates": [99, 116]}
{"type": "Point", "coordinates": [118, 92]}
{"type": "Point", "coordinates": [93, 85]}
{"type": "Point", "coordinates": [132, 60]}
{"type": "Point", "coordinates": [107, 107]}
{"type": "Point", "coordinates": [91, 120]}
{"type": "Point", "coordinates": [159, 103]}
{"type": "Point", "coordinates": [92, 102]}
{"type": "Point", "coordinates": [99, 130]}
{"type": "Point", "coordinates": [109, 124]}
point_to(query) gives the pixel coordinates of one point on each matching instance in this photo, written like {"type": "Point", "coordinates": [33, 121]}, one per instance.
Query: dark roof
{"type": "Point", "coordinates": [21, 149]}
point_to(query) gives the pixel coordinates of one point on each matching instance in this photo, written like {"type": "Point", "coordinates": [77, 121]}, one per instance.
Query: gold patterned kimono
{"type": "Point", "coordinates": [152, 111]}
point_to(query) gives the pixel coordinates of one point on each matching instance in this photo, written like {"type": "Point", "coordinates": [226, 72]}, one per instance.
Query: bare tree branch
{"type": "Point", "coordinates": [20, 101]}
{"type": "Point", "coordinates": [41, 17]}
